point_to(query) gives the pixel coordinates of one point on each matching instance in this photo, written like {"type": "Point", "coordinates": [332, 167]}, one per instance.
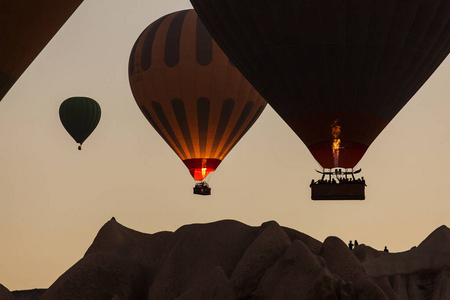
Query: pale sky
{"type": "Point", "coordinates": [54, 198]}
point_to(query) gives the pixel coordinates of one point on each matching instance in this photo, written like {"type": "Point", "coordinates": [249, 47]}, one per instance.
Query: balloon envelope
{"type": "Point", "coordinates": [336, 71]}
{"type": "Point", "coordinates": [188, 90]}
{"type": "Point", "coordinates": [26, 28]}
{"type": "Point", "coordinates": [79, 116]}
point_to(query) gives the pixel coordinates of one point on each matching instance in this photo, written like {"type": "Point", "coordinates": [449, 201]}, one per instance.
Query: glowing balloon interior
{"type": "Point", "coordinates": [189, 91]}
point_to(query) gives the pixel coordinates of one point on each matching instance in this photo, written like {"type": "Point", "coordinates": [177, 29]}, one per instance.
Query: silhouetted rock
{"type": "Point", "coordinates": [100, 276]}
{"type": "Point", "coordinates": [118, 240]}
{"type": "Point", "coordinates": [365, 253]}
{"type": "Point", "coordinates": [340, 259]}
{"type": "Point", "coordinates": [215, 286]}
{"type": "Point", "coordinates": [432, 254]}
{"type": "Point", "coordinates": [439, 239]}
{"type": "Point", "coordinates": [33, 294]}
{"type": "Point", "coordinates": [299, 274]}
{"type": "Point", "coordinates": [342, 262]}
{"type": "Point", "coordinates": [228, 260]}
{"type": "Point", "coordinates": [312, 244]}
{"type": "Point", "coordinates": [265, 250]}
{"type": "Point", "coordinates": [196, 250]}
{"type": "Point", "coordinates": [419, 273]}
{"type": "Point", "coordinates": [5, 294]}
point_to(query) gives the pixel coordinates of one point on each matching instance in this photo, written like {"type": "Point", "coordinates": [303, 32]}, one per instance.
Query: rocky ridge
{"type": "Point", "coordinates": [230, 260]}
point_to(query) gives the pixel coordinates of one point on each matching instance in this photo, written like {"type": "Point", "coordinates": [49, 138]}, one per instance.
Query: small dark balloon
{"type": "Point", "coordinates": [79, 116]}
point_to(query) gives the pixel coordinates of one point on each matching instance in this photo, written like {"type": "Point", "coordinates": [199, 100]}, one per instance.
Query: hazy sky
{"type": "Point", "coordinates": [54, 198]}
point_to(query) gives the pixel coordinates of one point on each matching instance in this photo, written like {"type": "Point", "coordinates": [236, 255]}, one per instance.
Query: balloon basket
{"type": "Point", "coordinates": [202, 188]}
{"type": "Point", "coordinates": [338, 191]}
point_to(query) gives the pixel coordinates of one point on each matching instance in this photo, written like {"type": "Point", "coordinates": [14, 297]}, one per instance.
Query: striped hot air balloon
{"type": "Point", "coordinates": [188, 90]}
{"type": "Point", "coordinates": [26, 26]}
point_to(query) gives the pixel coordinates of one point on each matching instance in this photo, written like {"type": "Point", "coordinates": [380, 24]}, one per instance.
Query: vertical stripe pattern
{"type": "Point", "coordinates": [203, 45]}
{"type": "Point", "coordinates": [203, 107]}
{"type": "Point", "coordinates": [225, 115]}
{"type": "Point", "coordinates": [172, 48]}
{"type": "Point", "coordinates": [146, 59]}
{"type": "Point", "coordinates": [189, 91]}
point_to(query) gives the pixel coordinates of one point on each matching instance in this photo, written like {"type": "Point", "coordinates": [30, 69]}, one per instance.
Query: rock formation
{"type": "Point", "coordinates": [228, 260]}
{"type": "Point", "coordinates": [5, 294]}
{"type": "Point", "coordinates": [33, 294]}
{"type": "Point", "coordinates": [420, 273]}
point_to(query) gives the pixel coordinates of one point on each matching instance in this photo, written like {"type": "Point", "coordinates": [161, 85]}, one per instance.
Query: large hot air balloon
{"type": "Point", "coordinates": [79, 116]}
{"type": "Point", "coordinates": [336, 71]}
{"type": "Point", "coordinates": [188, 90]}
{"type": "Point", "coordinates": [26, 28]}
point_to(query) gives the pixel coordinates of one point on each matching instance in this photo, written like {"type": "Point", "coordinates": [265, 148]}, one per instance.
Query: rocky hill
{"type": "Point", "coordinates": [228, 260]}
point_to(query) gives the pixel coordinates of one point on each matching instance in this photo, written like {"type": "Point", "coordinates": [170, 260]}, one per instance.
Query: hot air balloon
{"type": "Point", "coordinates": [79, 116]}
{"type": "Point", "coordinates": [192, 95]}
{"type": "Point", "coordinates": [26, 28]}
{"type": "Point", "coordinates": [336, 71]}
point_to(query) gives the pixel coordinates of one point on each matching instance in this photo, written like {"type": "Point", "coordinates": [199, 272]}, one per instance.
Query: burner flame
{"type": "Point", "coordinates": [204, 168]}
{"type": "Point", "coordinates": [335, 132]}
{"type": "Point", "coordinates": [203, 172]}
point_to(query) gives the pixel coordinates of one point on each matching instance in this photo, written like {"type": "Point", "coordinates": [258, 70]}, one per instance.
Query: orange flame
{"type": "Point", "coordinates": [335, 129]}
{"type": "Point", "coordinates": [335, 132]}
{"type": "Point", "coordinates": [204, 168]}
{"type": "Point", "coordinates": [203, 172]}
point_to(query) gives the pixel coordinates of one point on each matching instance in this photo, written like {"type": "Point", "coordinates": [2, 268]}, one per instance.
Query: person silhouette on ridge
{"type": "Point", "coordinates": [356, 243]}
{"type": "Point", "coordinates": [350, 245]}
